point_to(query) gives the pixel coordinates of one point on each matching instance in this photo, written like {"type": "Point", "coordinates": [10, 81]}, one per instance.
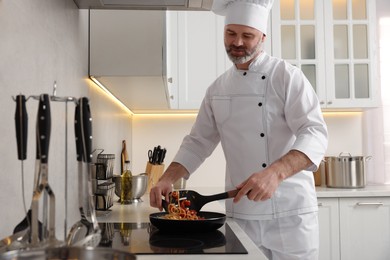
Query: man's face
{"type": "Point", "coordinates": [242, 43]}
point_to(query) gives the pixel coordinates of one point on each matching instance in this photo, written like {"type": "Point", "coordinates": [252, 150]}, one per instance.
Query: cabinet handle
{"type": "Point", "coordinates": [170, 80]}
{"type": "Point", "coordinates": [172, 97]}
{"type": "Point", "coordinates": [322, 103]}
{"type": "Point", "coordinates": [330, 102]}
{"type": "Point", "coordinates": [369, 204]}
{"type": "Point", "coordinates": [320, 204]}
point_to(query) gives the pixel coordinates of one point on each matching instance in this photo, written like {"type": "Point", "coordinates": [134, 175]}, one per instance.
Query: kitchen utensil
{"type": "Point", "coordinates": [21, 123]}
{"type": "Point", "coordinates": [346, 171]}
{"type": "Point", "coordinates": [43, 134]}
{"type": "Point", "coordinates": [13, 242]}
{"type": "Point", "coordinates": [104, 166]}
{"type": "Point", "coordinates": [83, 128]}
{"type": "Point", "coordinates": [139, 186]}
{"type": "Point", "coordinates": [198, 201]}
{"type": "Point", "coordinates": [211, 221]}
{"type": "Point", "coordinates": [104, 195]}
{"type": "Point", "coordinates": [80, 229]}
{"type": "Point", "coordinates": [157, 155]}
{"type": "Point", "coordinates": [68, 253]}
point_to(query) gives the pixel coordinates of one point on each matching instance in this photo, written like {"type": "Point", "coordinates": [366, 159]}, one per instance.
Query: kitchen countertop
{"type": "Point", "coordinates": [368, 191]}
{"type": "Point", "coordinates": [139, 212]}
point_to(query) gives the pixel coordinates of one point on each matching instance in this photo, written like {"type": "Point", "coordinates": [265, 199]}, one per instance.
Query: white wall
{"type": "Point", "coordinates": [345, 135]}
{"type": "Point", "coordinates": [43, 41]}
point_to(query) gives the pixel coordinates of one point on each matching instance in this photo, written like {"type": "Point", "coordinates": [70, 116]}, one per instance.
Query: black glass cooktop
{"type": "Point", "coordinates": [144, 238]}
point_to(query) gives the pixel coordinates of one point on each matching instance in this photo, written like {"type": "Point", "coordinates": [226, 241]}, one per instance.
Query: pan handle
{"type": "Point", "coordinates": [221, 196]}
{"type": "Point", "coordinates": [44, 127]}
{"type": "Point", "coordinates": [21, 124]}
{"type": "Point", "coordinates": [86, 129]}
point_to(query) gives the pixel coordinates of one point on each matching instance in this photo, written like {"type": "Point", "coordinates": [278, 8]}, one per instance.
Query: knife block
{"type": "Point", "coordinates": [154, 172]}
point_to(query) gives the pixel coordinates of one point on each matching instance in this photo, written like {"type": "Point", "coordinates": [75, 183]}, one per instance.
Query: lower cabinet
{"type": "Point", "coordinates": [329, 224]}
{"type": "Point", "coordinates": [354, 228]}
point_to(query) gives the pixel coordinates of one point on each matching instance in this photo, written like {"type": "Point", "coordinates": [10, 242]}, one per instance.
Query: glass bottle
{"type": "Point", "coordinates": [126, 184]}
{"type": "Point", "coordinates": [124, 156]}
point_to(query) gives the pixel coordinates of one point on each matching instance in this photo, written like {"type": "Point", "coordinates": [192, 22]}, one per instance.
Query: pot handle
{"type": "Point", "coordinates": [345, 153]}
{"type": "Point", "coordinates": [367, 158]}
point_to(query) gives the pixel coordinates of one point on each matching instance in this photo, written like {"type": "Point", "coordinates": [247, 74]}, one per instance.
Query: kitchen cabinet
{"type": "Point", "coordinates": [128, 56]}
{"type": "Point", "coordinates": [365, 228]}
{"type": "Point", "coordinates": [333, 43]}
{"type": "Point", "coordinates": [200, 57]}
{"type": "Point", "coordinates": [354, 228]}
{"type": "Point", "coordinates": [329, 224]}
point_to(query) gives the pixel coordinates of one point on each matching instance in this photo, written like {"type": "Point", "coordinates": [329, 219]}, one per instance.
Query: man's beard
{"type": "Point", "coordinates": [249, 54]}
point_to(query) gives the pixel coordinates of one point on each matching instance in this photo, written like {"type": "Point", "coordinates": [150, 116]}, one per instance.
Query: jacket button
{"type": "Point", "coordinates": [262, 134]}
{"type": "Point", "coordinates": [263, 77]}
{"type": "Point", "coordinates": [264, 165]}
{"type": "Point", "coordinates": [260, 104]}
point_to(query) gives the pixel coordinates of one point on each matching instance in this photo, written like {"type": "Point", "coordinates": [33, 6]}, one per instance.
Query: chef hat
{"type": "Point", "coordinates": [253, 13]}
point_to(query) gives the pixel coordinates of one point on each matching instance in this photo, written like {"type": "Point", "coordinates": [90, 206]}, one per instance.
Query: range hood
{"type": "Point", "coordinates": [190, 5]}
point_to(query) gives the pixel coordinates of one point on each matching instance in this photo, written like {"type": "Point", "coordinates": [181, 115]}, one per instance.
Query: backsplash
{"type": "Point", "coordinates": [345, 135]}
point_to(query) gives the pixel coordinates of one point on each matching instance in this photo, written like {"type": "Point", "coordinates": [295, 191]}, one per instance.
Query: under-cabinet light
{"type": "Point", "coordinates": [111, 96]}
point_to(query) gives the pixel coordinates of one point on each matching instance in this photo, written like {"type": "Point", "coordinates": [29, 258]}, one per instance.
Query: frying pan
{"type": "Point", "coordinates": [211, 221]}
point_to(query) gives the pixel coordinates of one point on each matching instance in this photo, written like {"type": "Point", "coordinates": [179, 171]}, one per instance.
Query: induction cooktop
{"type": "Point", "coordinates": [144, 238]}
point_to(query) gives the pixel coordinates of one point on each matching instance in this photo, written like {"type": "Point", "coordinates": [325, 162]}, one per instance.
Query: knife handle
{"type": "Point", "coordinates": [44, 127]}
{"type": "Point", "coordinates": [77, 133]}
{"type": "Point", "coordinates": [21, 124]}
{"type": "Point", "coordinates": [164, 151]}
{"type": "Point", "coordinates": [86, 129]}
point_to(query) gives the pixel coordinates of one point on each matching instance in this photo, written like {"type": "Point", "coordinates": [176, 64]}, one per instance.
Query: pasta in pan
{"type": "Point", "coordinates": [181, 211]}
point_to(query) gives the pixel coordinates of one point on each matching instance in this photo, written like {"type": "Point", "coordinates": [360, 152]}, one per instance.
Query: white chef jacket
{"type": "Point", "coordinates": [258, 115]}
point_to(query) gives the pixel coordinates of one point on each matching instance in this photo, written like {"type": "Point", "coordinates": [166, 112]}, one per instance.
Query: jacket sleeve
{"type": "Point", "coordinates": [202, 140]}
{"type": "Point", "coordinates": [304, 117]}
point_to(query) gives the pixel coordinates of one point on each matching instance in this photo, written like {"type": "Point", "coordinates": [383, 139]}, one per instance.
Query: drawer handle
{"type": "Point", "coordinates": [369, 204]}
{"type": "Point", "coordinates": [319, 204]}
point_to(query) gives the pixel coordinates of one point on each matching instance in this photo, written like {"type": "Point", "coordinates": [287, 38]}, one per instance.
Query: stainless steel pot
{"type": "Point", "coordinates": [345, 171]}
{"type": "Point", "coordinates": [68, 253]}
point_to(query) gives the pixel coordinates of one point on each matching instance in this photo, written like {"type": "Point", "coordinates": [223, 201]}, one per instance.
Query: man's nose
{"type": "Point", "coordinates": [238, 41]}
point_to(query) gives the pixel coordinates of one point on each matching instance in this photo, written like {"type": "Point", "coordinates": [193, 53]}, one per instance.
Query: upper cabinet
{"type": "Point", "coordinates": [199, 58]}
{"type": "Point", "coordinates": [159, 60]}
{"type": "Point", "coordinates": [128, 56]}
{"type": "Point", "coordinates": [332, 41]}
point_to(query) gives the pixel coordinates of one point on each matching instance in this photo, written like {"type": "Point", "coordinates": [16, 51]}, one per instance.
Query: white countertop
{"type": "Point", "coordinates": [139, 212]}
{"type": "Point", "coordinates": [368, 191]}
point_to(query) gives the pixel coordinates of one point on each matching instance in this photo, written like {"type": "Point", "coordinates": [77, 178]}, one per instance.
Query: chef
{"type": "Point", "coordinates": [268, 120]}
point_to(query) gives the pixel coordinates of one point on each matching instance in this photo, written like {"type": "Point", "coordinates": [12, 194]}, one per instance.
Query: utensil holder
{"type": "Point", "coordinates": [154, 172]}
{"type": "Point", "coordinates": [105, 166]}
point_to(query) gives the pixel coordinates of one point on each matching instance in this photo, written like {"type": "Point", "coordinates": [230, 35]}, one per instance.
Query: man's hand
{"type": "Point", "coordinates": [262, 185]}
{"type": "Point", "coordinates": [163, 187]}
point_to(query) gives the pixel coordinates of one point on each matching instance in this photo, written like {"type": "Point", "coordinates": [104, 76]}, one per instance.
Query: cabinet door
{"type": "Point", "coordinates": [298, 37]}
{"type": "Point", "coordinates": [201, 55]}
{"type": "Point", "coordinates": [350, 53]}
{"type": "Point", "coordinates": [329, 41]}
{"type": "Point", "coordinates": [328, 216]}
{"type": "Point", "coordinates": [365, 228]}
